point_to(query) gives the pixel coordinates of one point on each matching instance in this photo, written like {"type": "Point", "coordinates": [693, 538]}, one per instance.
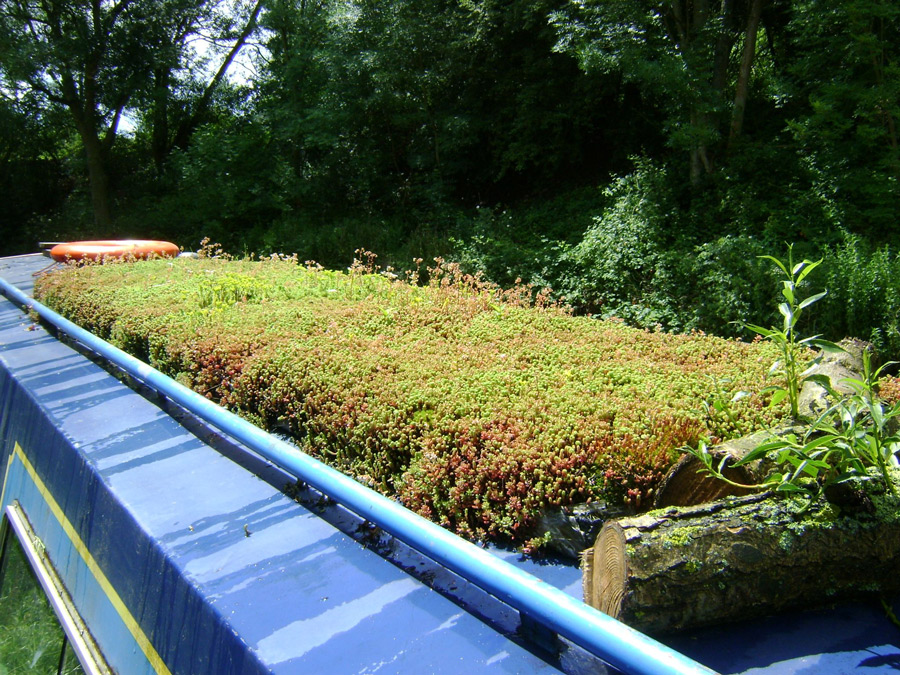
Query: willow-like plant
{"type": "Point", "coordinates": [845, 441]}
{"type": "Point", "coordinates": [792, 347]}
{"type": "Point", "coordinates": [851, 436]}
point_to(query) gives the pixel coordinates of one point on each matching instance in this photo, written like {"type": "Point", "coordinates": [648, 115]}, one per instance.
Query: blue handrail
{"type": "Point", "coordinates": [620, 646]}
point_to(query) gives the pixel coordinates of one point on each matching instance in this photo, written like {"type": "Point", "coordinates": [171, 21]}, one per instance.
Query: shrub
{"type": "Point", "coordinates": [620, 267]}
{"type": "Point", "coordinates": [863, 295]}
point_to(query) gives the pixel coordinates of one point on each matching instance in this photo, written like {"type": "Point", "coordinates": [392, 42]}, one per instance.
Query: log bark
{"type": "Point", "coordinates": [673, 569]}
{"type": "Point", "coordinates": [686, 485]}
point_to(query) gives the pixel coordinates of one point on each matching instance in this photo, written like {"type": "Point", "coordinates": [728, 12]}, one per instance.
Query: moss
{"type": "Point", "coordinates": [681, 536]}
{"type": "Point", "coordinates": [786, 541]}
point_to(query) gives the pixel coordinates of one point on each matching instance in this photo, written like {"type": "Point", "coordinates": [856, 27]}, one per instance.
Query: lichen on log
{"type": "Point", "coordinates": [679, 568]}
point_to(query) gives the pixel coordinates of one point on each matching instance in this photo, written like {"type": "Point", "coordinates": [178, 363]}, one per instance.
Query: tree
{"type": "Point", "coordinates": [94, 57]}
{"type": "Point", "coordinates": [184, 84]}
{"type": "Point", "coordinates": [680, 53]}
{"type": "Point", "coordinates": [845, 77]}
{"type": "Point", "coordinates": [33, 176]}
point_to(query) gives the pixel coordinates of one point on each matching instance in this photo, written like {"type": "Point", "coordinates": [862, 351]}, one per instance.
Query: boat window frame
{"type": "Point", "coordinates": [77, 639]}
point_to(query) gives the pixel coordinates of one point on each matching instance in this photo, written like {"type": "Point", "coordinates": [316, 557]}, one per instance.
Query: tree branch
{"type": "Point", "coordinates": [187, 127]}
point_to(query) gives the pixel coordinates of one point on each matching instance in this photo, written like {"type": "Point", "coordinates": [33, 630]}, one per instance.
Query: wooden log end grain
{"type": "Point", "coordinates": [609, 572]}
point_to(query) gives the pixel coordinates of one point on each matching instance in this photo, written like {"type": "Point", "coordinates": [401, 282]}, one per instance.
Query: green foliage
{"type": "Point", "coordinates": [475, 406]}
{"type": "Point", "coordinates": [859, 427]}
{"type": "Point", "coordinates": [623, 266]}
{"type": "Point", "coordinates": [855, 433]}
{"type": "Point", "coordinates": [30, 634]}
{"type": "Point", "coordinates": [792, 348]}
{"type": "Point", "coordinates": [528, 242]}
{"type": "Point", "coordinates": [226, 185]}
{"type": "Point", "coordinates": [583, 146]}
{"type": "Point", "coordinates": [847, 73]}
{"type": "Point", "coordinates": [863, 294]}
{"type": "Point", "coordinates": [730, 284]}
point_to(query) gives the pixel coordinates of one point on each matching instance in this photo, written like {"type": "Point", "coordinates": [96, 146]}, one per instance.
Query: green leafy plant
{"type": "Point", "coordinates": [851, 436]}
{"type": "Point", "coordinates": [858, 427]}
{"type": "Point", "coordinates": [791, 347]}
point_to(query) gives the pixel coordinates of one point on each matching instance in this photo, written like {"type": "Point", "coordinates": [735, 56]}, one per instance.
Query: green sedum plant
{"type": "Point", "coordinates": [475, 406]}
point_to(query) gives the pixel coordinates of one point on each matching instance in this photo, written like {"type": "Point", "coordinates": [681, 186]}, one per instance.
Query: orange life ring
{"type": "Point", "coordinates": [112, 248]}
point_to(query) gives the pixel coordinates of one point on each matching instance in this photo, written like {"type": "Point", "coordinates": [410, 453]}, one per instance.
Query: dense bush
{"type": "Point", "coordinates": [638, 256]}
{"type": "Point", "coordinates": [863, 300]}
{"type": "Point", "coordinates": [476, 407]}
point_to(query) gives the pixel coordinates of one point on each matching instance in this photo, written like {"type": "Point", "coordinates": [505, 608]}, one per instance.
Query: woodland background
{"type": "Point", "coordinates": [635, 156]}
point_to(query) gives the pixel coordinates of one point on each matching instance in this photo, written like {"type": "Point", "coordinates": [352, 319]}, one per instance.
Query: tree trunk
{"type": "Point", "coordinates": [674, 569]}
{"type": "Point", "coordinates": [159, 141]}
{"type": "Point", "coordinates": [743, 81]}
{"type": "Point", "coordinates": [98, 179]}
{"type": "Point", "coordinates": [724, 44]}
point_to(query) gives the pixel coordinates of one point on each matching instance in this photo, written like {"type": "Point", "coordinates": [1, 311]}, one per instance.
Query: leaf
{"type": "Point", "coordinates": [778, 397]}
{"type": "Point", "coordinates": [845, 476]}
{"type": "Point", "coordinates": [819, 378]}
{"type": "Point", "coordinates": [817, 443]}
{"type": "Point", "coordinates": [810, 266]}
{"type": "Point", "coordinates": [765, 448]}
{"type": "Point", "coordinates": [810, 372]}
{"type": "Point", "coordinates": [740, 396]}
{"type": "Point", "coordinates": [776, 261]}
{"type": "Point", "coordinates": [808, 340]}
{"type": "Point", "coordinates": [857, 384]}
{"type": "Point", "coordinates": [825, 345]}
{"type": "Point", "coordinates": [765, 332]}
{"type": "Point", "coordinates": [877, 414]}
{"type": "Point", "coordinates": [811, 299]}
{"type": "Point", "coordinates": [790, 487]}
{"type": "Point", "coordinates": [877, 374]}
{"type": "Point", "coordinates": [786, 312]}
{"type": "Point", "coordinates": [751, 456]}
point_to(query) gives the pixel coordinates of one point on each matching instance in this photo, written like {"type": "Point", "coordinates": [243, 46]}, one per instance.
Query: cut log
{"type": "Point", "coordinates": [685, 484]}
{"type": "Point", "coordinates": [673, 569]}
{"type": "Point", "coordinates": [837, 366]}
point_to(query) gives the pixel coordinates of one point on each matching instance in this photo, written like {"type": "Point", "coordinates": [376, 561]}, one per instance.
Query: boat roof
{"type": "Point", "coordinates": [209, 558]}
